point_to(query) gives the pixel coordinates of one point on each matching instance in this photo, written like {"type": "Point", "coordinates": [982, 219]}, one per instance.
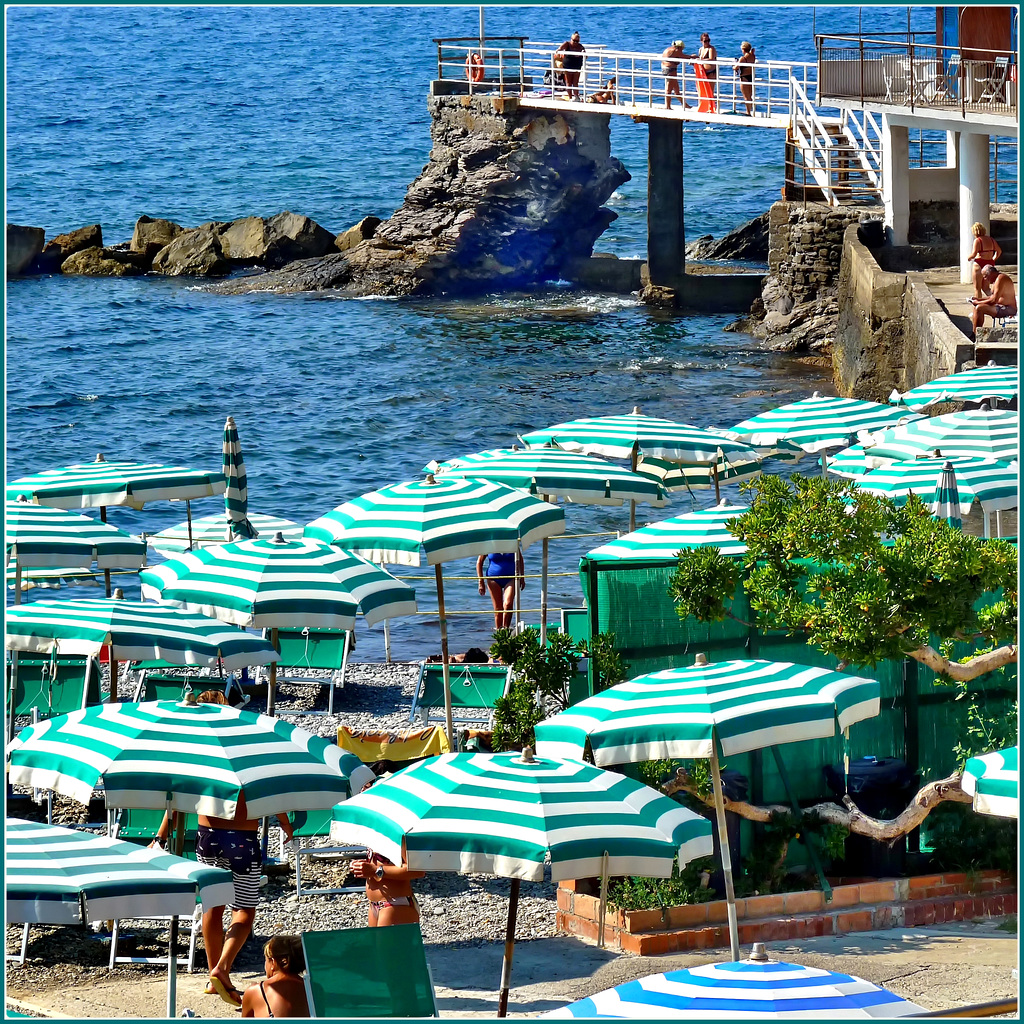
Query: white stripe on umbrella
{"type": "Point", "coordinates": [983, 433]}
{"type": "Point", "coordinates": [991, 483]}
{"type": "Point", "coordinates": [994, 782]}
{"type": "Point", "coordinates": [213, 530]}
{"type": "Point", "coordinates": [236, 492]}
{"type": "Point", "coordinates": [977, 385]}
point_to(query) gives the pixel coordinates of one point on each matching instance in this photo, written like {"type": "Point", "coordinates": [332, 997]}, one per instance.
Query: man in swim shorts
{"type": "Point", "coordinates": [1001, 300]}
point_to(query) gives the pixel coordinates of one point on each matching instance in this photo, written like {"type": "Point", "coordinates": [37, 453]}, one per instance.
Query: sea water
{"type": "Point", "coordinates": [214, 113]}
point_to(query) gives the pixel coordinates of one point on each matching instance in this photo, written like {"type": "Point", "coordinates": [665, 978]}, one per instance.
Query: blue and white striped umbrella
{"type": "Point", "coordinates": [236, 492]}
{"type": "Point", "coordinates": [753, 989]}
{"type": "Point", "coordinates": [994, 782]}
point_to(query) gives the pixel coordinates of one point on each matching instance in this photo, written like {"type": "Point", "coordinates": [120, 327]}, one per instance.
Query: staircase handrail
{"type": "Point", "coordinates": [805, 119]}
{"type": "Point", "coordinates": [869, 153]}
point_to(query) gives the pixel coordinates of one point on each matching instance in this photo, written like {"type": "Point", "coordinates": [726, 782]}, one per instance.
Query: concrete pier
{"type": "Point", "coordinates": [666, 241]}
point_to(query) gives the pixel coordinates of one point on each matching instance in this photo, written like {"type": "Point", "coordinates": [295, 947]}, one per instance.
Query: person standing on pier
{"type": "Point", "coordinates": [572, 63]}
{"type": "Point", "coordinates": [707, 55]}
{"type": "Point", "coordinates": [670, 59]}
{"type": "Point", "coordinates": [744, 71]}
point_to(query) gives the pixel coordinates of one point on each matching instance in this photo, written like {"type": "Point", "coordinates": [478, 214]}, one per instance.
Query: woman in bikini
{"type": "Point", "coordinates": [388, 890]}
{"type": "Point", "coordinates": [744, 71]}
{"type": "Point", "coordinates": [283, 993]}
{"type": "Point", "coordinates": [985, 253]}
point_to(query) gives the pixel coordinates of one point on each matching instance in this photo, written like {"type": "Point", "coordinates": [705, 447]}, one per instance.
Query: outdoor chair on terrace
{"type": "Point", "coordinates": [368, 972]}
{"type": "Point", "coordinates": [896, 74]}
{"type": "Point", "coordinates": [994, 88]}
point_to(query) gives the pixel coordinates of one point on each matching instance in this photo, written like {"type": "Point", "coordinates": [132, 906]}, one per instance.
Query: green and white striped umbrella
{"type": "Point", "coordinates": [991, 483]}
{"type": "Point", "coordinates": [101, 483]}
{"type": "Point", "coordinates": [135, 631]}
{"type": "Point", "coordinates": [51, 873]}
{"type": "Point", "coordinates": [983, 433]}
{"type": "Point", "coordinates": [506, 814]}
{"type": "Point", "coordinates": [734, 706]}
{"type": "Point", "coordinates": [236, 492]}
{"type": "Point", "coordinates": [994, 780]}
{"type": "Point", "coordinates": [279, 584]}
{"type": "Point", "coordinates": [556, 473]}
{"type": "Point", "coordinates": [196, 758]}
{"type": "Point", "coordinates": [446, 516]}
{"type": "Point", "coordinates": [946, 498]}
{"type": "Point", "coordinates": [978, 385]}
{"type": "Point", "coordinates": [661, 542]}
{"type": "Point", "coordinates": [675, 477]}
{"type": "Point", "coordinates": [37, 537]}
{"type": "Point", "coordinates": [213, 530]}
{"type": "Point", "coordinates": [819, 422]}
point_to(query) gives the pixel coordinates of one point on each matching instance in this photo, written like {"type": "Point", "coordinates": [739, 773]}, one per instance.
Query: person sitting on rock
{"type": "Point", "coordinates": [1001, 300]}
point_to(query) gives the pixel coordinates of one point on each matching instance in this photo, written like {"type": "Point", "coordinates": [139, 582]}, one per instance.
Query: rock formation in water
{"type": "Point", "coordinates": [747, 242]}
{"type": "Point", "coordinates": [509, 197]}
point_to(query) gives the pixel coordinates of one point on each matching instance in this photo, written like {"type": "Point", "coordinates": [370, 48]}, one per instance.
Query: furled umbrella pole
{"type": "Point", "coordinates": [508, 814]}
{"type": "Point", "coordinates": [730, 706]}
{"type": "Point", "coordinates": [444, 517]}
{"type": "Point", "coordinates": [279, 584]}
{"type": "Point", "coordinates": [236, 491]}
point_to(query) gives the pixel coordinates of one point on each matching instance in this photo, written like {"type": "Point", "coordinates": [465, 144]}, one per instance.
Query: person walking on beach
{"type": "Point", "coordinates": [503, 571]}
{"type": "Point", "coordinates": [1001, 300]}
{"type": "Point", "coordinates": [670, 59]}
{"type": "Point", "coordinates": [744, 71]}
{"type": "Point", "coordinates": [985, 253]}
{"type": "Point", "coordinates": [234, 844]}
{"type": "Point", "coordinates": [572, 63]}
{"type": "Point", "coordinates": [706, 56]}
{"type": "Point", "coordinates": [283, 993]}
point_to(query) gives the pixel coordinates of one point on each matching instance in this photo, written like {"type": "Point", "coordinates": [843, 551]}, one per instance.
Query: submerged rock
{"type": "Point", "coordinates": [508, 199]}
{"type": "Point", "coordinates": [23, 246]}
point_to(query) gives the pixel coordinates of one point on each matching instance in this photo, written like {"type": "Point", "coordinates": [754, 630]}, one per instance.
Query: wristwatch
{"type": "Point", "coordinates": [379, 873]}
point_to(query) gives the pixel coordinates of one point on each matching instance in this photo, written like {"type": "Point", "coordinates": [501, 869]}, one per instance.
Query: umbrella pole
{"type": "Point", "coordinates": [544, 593]}
{"type": "Point", "coordinates": [633, 458]}
{"type": "Point", "coordinates": [518, 589]}
{"type": "Point", "coordinates": [106, 572]}
{"type": "Point", "coordinates": [723, 841]}
{"type": "Point", "coordinates": [445, 667]}
{"type": "Point", "coordinates": [603, 905]}
{"type": "Point", "coordinates": [188, 519]}
{"type": "Point", "coordinates": [718, 491]}
{"type": "Point", "coordinates": [272, 675]}
{"type": "Point", "coordinates": [17, 583]}
{"type": "Point", "coordinates": [510, 943]}
{"type": "Point", "coordinates": [113, 674]}
{"type": "Point", "coordinates": [172, 967]}
{"type": "Point", "coordinates": [387, 642]}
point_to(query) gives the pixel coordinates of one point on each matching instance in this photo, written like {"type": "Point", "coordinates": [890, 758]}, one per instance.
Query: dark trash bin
{"type": "Point", "coordinates": [881, 787]}
{"type": "Point", "coordinates": [871, 232]}
{"type": "Point", "coordinates": [735, 786]}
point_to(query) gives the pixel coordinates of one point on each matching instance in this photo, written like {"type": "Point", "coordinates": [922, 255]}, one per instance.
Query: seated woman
{"type": "Point", "coordinates": [283, 993]}
{"type": "Point", "coordinates": [609, 94]}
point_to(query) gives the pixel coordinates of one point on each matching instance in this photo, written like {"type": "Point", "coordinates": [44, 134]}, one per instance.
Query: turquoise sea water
{"type": "Point", "coordinates": [212, 113]}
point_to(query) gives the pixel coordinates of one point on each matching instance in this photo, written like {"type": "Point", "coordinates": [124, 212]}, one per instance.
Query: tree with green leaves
{"type": "Point", "coordinates": [860, 577]}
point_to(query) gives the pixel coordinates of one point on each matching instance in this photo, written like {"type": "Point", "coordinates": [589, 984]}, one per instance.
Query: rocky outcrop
{"type": "Point", "coordinates": [24, 244]}
{"type": "Point", "coordinates": [748, 242]}
{"type": "Point", "coordinates": [508, 199]}
{"type": "Point", "coordinates": [153, 234]}
{"type": "Point", "coordinates": [99, 262]}
{"type": "Point", "coordinates": [58, 249]}
{"type": "Point", "coordinates": [196, 253]}
{"type": "Point", "coordinates": [360, 232]}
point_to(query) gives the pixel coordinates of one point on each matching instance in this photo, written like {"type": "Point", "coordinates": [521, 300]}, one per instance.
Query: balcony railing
{"type": "Point", "coordinates": [914, 75]}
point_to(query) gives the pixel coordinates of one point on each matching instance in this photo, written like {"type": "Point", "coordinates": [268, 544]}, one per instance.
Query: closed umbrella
{"type": "Point", "coordinates": [210, 531]}
{"type": "Point", "coordinates": [981, 384]}
{"type": "Point", "coordinates": [445, 516]}
{"type": "Point", "coordinates": [39, 537]}
{"type": "Point", "coordinates": [732, 706]}
{"type": "Point", "coordinates": [994, 781]}
{"type": "Point", "coordinates": [101, 483]}
{"type": "Point", "coordinates": [508, 814]}
{"type": "Point", "coordinates": [132, 631]}
{"type": "Point", "coordinates": [946, 501]}
{"type": "Point", "coordinates": [754, 989]}
{"type": "Point", "coordinates": [280, 584]}
{"type": "Point", "coordinates": [64, 876]}
{"type": "Point", "coordinates": [634, 435]}
{"type": "Point", "coordinates": [555, 473]}
{"type": "Point", "coordinates": [236, 492]}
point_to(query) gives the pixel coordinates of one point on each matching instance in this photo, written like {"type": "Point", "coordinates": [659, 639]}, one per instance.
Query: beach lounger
{"type": "Point", "coordinates": [368, 972]}
{"type": "Point", "coordinates": [303, 650]}
{"type": "Point", "coordinates": [402, 746]}
{"type": "Point", "coordinates": [116, 936]}
{"type": "Point", "coordinates": [317, 825]}
{"type": "Point", "coordinates": [576, 622]}
{"type": "Point", "coordinates": [140, 826]}
{"type": "Point", "coordinates": [475, 688]}
{"type": "Point", "coordinates": [54, 687]}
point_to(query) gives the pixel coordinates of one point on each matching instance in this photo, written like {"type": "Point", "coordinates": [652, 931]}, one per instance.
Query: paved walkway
{"type": "Point", "coordinates": [937, 968]}
{"type": "Point", "coordinates": [945, 285]}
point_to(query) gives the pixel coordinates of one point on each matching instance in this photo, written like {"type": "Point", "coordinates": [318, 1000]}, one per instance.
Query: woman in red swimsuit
{"type": "Point", "coordinates": [985, 253]}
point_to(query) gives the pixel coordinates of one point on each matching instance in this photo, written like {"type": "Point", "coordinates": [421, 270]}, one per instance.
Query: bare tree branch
{"type": "Point", "coordinates": [856, 821]}
{"type": "Point", "coordinates": [971, 669]}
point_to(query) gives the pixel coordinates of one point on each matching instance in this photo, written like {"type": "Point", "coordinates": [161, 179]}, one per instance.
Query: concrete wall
{"type": "Point", "coordinates": [934, 184]}
{"type": "Point", "coordinates": [932, 345]}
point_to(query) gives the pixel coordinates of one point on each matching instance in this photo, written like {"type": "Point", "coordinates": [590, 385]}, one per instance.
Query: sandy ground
{"type": "Point", "coordinates": [937, 968]}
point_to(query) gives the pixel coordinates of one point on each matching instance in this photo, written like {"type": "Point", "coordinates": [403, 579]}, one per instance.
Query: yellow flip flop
{"type": "Point", "coordinates": [226, 992]}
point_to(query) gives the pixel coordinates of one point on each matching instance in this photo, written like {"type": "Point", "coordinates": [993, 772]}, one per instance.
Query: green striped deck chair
{"type": "Point", "coordinates": [303, 650]}
{"type": "Point", "coordinates": [137, 825]}
{"type": "Point", "coordinates": [317, 825]}
{"type": "Point", "coordinates": [475, 688]}
{"type": "Point", "coordinates": [53, 687]}
{"type": "Point", "coordinates": [576, 622]}
{"type": "Point", "coordinates": [368, 972]}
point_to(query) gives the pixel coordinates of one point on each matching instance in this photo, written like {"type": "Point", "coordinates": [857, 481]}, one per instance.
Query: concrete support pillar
{"type": "Point", "coordinates": [952, 149]}
{"type": "Point", "coordinates": [666, 240]}
{"type": "Point", "coordinates": [974, 193]}
{"type": "Point", "coordinates": [896, 179]}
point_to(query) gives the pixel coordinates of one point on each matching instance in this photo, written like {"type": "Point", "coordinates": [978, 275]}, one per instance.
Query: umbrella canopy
{"type": "Point", "coordinates": [36, 537]}
{"type": "Point", "coordinates": [446, 516]}
{"type": "Point", "coordinates": [52, 873]}
{"type": "Point", "coordinates": [134, 631]}
{"type": "Point", "coordinates": [676, 477]}
{"type": "Point", "coordinates": [196, 758]}
{"type": "Point", "coordinates": [101, 483]}
{"type": "Point", "coordinates": [658, 542]}
{"type": "Point", "coordinates": [680, 712]}
{"type": "Point", "coordinates": [279, 583]}
{"type": "Point", "coordinates": [818, 422]}
{"type": "Point", "coordinates": [236, 492]}
{"type": "Point", "coordinates": [754, 989]}
{"type": "Point", "coordinates": [983, 433]}
{"type": "Point", "coordinates": [213, 530]}
{"type": "Point", "coordinates": [991, 483]}
{"type": "Point", "coordinates": [994, 780]}
{"type": "Point", "coordinates": [505, 815]}
{"type": "Point", "coordinates": [977, 385]}
{"type": "Point", "coordinates": [555, 472]}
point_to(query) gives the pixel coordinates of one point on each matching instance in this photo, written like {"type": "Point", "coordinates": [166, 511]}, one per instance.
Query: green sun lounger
{"type": "Point", "coordinates": [66, 684]}
{"type": "Point", "coordinates": [475, 688]}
